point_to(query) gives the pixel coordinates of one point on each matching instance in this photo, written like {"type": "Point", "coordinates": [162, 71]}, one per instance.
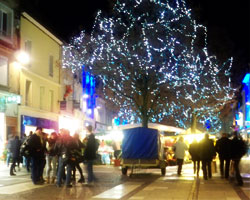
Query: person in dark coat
{"type": "Point", "coordinates": [37, 154]}
{"type": "Point", "coordinates": [238, 150]}
{"type": "Point", "coordinates": [223, 148]}
{"type": "Point", "coordinates": [195, 154]}
{"type": "Point", "coordinates": [15, 150]}
{"type": "Point", "coordinates": [90, 154]}
{"type": "Point", "coordinates": [207, 153]}
{"type": "Point", "coordinates": [78, 152]}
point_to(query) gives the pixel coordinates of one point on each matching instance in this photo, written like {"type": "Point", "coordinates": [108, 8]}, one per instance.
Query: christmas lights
{"type": "Point", "coordinates": [153, 60]}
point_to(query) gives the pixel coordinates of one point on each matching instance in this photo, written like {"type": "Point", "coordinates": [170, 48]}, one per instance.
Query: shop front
{"type": "Point", "coordinates": [29, 123]}
{"type": "Point", "coordinates": [8, 117]}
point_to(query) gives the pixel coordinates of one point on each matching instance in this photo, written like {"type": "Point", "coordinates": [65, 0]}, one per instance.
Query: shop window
{"type": "Point", "coordinates": [28, 93]}
{"type": "Point", "coordinates": [6, 23]}
{"type": "Point", "coordinates": [3, 71]}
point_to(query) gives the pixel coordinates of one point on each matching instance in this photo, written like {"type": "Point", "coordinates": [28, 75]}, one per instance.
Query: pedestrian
{"type": "Point", "coordinates": [207, 153]}
{"type": "Point", "coordinates": [79, 158]}
{"type": "Point", "coordinates": [223, 148]}
{"type": "Point", "coordinates": [15, 150]}
{"type": "Point", "coordinates": [179, 148]}
{"type": "Point", "coordinates": [90, 154]}
{"type": "Point", "coordinates": [238, 150]}
{"type": "Point", "coordinates": [51, 158]}
{"type": "Point", "coordinates": [9, 150]}
{"type": "Point", "coordinates": [37, 154]}
{"type": "Point", "coordinates": [195, 155]}
{"type": "Point", "coordinates": [63, 147]}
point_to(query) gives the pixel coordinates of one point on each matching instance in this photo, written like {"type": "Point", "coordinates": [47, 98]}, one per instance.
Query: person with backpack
{"type": "Point", "coordinates": [25, 151]}
{"type": "Point", "coordinates": [238, 150]}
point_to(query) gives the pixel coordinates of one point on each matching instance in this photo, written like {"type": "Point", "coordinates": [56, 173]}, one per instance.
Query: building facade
{"type": "Point", "coordinates": [9, 96]}
{"type": "Point", "coordinates": [243, 110]}
{"type": "Point", "coordinates": [39, 78]}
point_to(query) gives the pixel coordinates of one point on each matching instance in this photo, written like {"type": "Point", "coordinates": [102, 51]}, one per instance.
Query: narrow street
{"type": "Point", "coordinates": [146, 184]}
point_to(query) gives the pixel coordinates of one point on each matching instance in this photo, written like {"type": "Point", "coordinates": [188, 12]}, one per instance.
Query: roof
{"type": "Point", "coordinates": [42, 28]}
{"type": "Point", "coordinates": [159, 127]}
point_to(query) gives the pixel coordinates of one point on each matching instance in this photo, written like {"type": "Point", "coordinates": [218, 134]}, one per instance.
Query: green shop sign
{"type": "Point", "coordinates": [2, 104]}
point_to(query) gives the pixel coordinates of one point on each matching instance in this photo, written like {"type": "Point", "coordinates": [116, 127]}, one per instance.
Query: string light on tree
{"type": "Point", "coordinates": [153, 61]}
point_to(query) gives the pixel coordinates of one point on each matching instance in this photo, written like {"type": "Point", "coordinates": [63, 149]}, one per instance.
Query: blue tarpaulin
{"type": "Point", "coordinates": [140, 143]}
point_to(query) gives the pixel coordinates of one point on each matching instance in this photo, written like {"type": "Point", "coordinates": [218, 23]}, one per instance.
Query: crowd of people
{"type": "Point", "coordinates": [229, 151]}
{"type": "Point", "coordinates": [60, 155]}
{"type": "Point", "coordinates": [57, 155]}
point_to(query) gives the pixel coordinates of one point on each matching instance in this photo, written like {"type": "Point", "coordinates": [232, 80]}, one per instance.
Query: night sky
{"type": "Point", "coordinates": [228, 24]}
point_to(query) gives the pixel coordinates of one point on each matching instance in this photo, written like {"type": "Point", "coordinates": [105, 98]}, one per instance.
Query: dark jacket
{"type": "Point", "coordinates": [62, 145]}
{"type": "Point", "coordinates": [91, 148]}
{"type": "Point", "coordinates": [194, 151]}
{"type": "Point", "coordinates": [238, 148]}
{"type": "Point", "coordinates": [207, 150]}
{"type": "Point", "coordinates": [37, 149]}
{"type": "Point", "coordinates": [15, 147]}
{"type": "Point", "coordinates": [223, 148]}
{"type": "Point", "coordinates": [65, 147]}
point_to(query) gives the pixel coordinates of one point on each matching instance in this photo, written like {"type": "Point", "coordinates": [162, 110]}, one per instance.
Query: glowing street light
{"type": "Point", "coordinates": [23, 57]}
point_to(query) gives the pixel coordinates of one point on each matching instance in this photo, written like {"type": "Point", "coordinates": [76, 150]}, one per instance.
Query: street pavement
{"type": "Point", "coordinates": [144, 184]}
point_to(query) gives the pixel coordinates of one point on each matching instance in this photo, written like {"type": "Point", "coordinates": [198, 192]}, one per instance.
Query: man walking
{"type": "Point", "coordinates": [223, 148]}
{"type": "Point", "coordinates": [238, 150]}
{"type": "Point", "coordinates": [194, 152]}
{"type": "Point", "coordinates": [180, 147]}
{"type": "Point", "coordinates": [207, 153]}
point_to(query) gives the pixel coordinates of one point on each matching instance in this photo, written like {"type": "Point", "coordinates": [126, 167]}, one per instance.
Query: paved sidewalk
{"type": "Point", "coordinates": [145, 184]}
{"type": "Point", "coordinates": [174, 187]}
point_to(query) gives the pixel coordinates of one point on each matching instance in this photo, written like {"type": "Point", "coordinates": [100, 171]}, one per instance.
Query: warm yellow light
{"type": "Point", "coordinates": [23, 57]}
{"type": "Point", "coordinates": [17, 65]}
{"type": "Point", "coordinates": [70, 124]}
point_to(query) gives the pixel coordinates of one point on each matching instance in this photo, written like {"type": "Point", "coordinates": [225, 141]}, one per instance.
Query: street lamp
{"type": "Point", "coordinates": [23, 57]}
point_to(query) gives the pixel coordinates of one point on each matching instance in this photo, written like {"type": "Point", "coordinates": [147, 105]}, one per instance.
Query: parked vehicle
{"type": "Point", "coordinates": [142, 148]}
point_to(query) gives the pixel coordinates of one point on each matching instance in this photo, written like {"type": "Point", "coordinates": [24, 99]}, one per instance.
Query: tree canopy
{"type": "Point", "coordinates": [152, 58]}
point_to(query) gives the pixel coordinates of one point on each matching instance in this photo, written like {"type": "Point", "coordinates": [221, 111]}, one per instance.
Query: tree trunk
{"type": "Point", "coordinates": [145, 121]}
{"type": "Point", "coordinates": [193, 123]}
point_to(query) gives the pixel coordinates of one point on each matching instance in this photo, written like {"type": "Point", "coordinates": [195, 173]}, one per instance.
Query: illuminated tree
{"type": "Point", "coordinates": [152, 59]}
